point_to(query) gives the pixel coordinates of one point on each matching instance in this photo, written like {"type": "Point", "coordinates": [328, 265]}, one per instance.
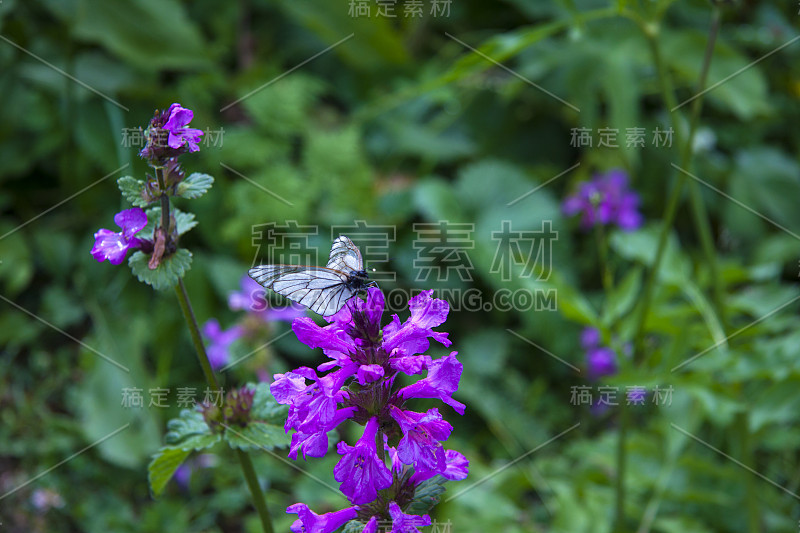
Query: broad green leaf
{"type": "Point", "coordinates": [164, 464]}
{"type": "Point", "coordinates": [190, 432]}
{"type": "Point", "coordinates": [167, 274]}
{"type": "Point", "coordinates": [257, 435]}
{"type": "Point", "coordinates": [133, 191]}
{"type": "Point", "coordinates": [266, 408]}
{"type": "Point", "coordinates": [195, 185]}
{"type": "Point", "coordinates": [427, 495]}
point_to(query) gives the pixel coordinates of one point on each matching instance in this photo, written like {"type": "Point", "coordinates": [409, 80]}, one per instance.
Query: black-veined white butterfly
{"type": "Point", "coordinates": [324, 290]}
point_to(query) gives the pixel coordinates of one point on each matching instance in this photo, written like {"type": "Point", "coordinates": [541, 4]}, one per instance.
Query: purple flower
{"type": "Point", "coordinates": [360, 471]}
{"type": "Point", "coordinates": [456, 469]}
{"type": "Point", "coordinates": [442, 381]}
{"type": "Point", "coordinates": [605, 200]}
{"type": "Point", "coordinates": [115, 246]}
{"type": "Point", "coordinates": [590, 337]}
{"type": "Point", "coordinates": [601, 361]}
{"type": "Point", "coordinates": [252, 298]}
{"type": "Point", "coordinates": [179, 134]}
{"type": "Point", "coordinates": [406, 523]}
{"type": "Point", "coordinates": [422, 433]}
{"type": "Point", "coordinates": [310, 522]}
{"type": "Point", "coordinates": [220, 342]}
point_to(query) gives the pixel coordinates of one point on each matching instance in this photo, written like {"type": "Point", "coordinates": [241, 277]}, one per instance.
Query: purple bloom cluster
{"type": "Point", "coordinates": [606, 199]}
{"type": "Point", "coordinates": [360, 385]}
{"type": "Point", "coordinates": [168, 135]}
{"type": "Point", "coordinates": [115, 246]}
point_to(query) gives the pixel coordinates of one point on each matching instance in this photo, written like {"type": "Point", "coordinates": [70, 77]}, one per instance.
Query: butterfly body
{"type": "Point", "coordinates": [324, 290]}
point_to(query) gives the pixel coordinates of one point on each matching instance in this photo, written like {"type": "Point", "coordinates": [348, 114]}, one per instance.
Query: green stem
{"type": "Point", "coordinates": [622, 448]}
{"type": "Point", "coordinates": [602, 251]}
{"type": "Point", "coordinates": [194, 331]}
{"type": "Point", "coordinates": [255, 490]}
{"type": "Point", "coordinates": [746, 452]}
{"type": "Point", "coordinates": [700, 218]}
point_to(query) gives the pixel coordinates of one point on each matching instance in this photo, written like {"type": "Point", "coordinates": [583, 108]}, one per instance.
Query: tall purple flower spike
{"type": "Point", "coordinates": [364, 362]}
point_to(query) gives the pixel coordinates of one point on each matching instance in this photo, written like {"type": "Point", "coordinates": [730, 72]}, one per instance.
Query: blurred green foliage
{"type": "Point", "coordinates": [399, 124]}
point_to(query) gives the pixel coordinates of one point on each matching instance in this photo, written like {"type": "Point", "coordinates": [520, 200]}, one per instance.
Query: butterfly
{"type": "Point", "coordinates": [324, 290]}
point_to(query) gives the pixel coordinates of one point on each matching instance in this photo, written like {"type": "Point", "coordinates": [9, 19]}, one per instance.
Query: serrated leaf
{"type": "Point", "coordinates": [164, 464]}
{"type": "Point", "coordinates": [257, 435]}
{"type": "Point", "coordinates": [190, 432]}
{"type": "Point", "coordinates": [194, 186]}
{"type": "Point", "coordinates": [266, 408]}
{"type": "Point", "coordinates": [354, 526]}
{"type": "Point", "coordinates": [183, 221]}
{"type": "Point", "coordinates": [167, 274]}
{"type": "Point", "coordinates": [427, 495]}
{"type": "Point", "coordinates": [133, 191]}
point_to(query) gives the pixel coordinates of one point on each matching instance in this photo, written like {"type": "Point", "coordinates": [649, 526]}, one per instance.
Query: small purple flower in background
{"type": "Point", "coordinates": [252, 298]}
{"type": "Point", "coordinates": [220, 342]}
{"type": "Point", "coordinates": [601, 361]}
{"type": "Point", "coordinates": [590, 337]}
{"type": "Point", "coordinates": [606, 199]}
{"type": "Point", "coordinates": [179, 134]}
{"type": "Point", "coordinates": [115, 246]}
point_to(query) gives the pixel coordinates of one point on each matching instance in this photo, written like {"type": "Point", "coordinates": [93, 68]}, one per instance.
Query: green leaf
{"type": "Point", "coordinates": [257, 435]}
{"type": "Point", "coordinates": [266, 408]}
{"type": "Point", "coordinates": [167, 274]}
{"type": "Point", "coordinates": [133, 191]}
{"type": "Point", "coordinates": [427, 495]}
{"type": "Point", "coordinates": [184, 221]}
{"type": "Point", "coordinates": [354, 526]}
{"type": "Point", "coordinates": [195, 185]}
{"type": "Point", "coordinates": [190, 432]}
{"type": "Point", "coordinates": [623, 297]}
{"type": "Point", "coordinates": [164, 464]}
{"type": "Point", "coordinates": [187, 433]}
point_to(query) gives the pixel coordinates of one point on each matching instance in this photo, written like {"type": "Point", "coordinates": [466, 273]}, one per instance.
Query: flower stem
{"type": "Point", "coordinates": [194, 331]}
{"type": "Point", "coordinates": [255, 490]}
{"type": "Point", "coordinates": [622, 439]}
{"type": "Point", "coordinates": [700, 218]}
{"type": "Point", "coordinates": [244, 460]}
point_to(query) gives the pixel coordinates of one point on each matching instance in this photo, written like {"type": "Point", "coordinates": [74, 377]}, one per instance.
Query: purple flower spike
{"type": "Point", "coordinates": [360, 471]}
{"type": "Point", "coordinates": [179, 134]}
{"type": "Point", "coordinates": [605, 200]}
{"type": "Point", "coordinates": [310, 522]}
{"type": "Point", "coordinates": [406, 523]}
{"type": "Point", "coordinates": [115, 246]}
{"type": "Point", "coordinates": [219, 342]}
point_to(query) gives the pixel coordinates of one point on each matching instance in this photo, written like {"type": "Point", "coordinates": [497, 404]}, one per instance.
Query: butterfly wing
{"type": "Point", "coordinates": [323, 290]}
{"type": "Point", "coordinates": [345, 256]}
